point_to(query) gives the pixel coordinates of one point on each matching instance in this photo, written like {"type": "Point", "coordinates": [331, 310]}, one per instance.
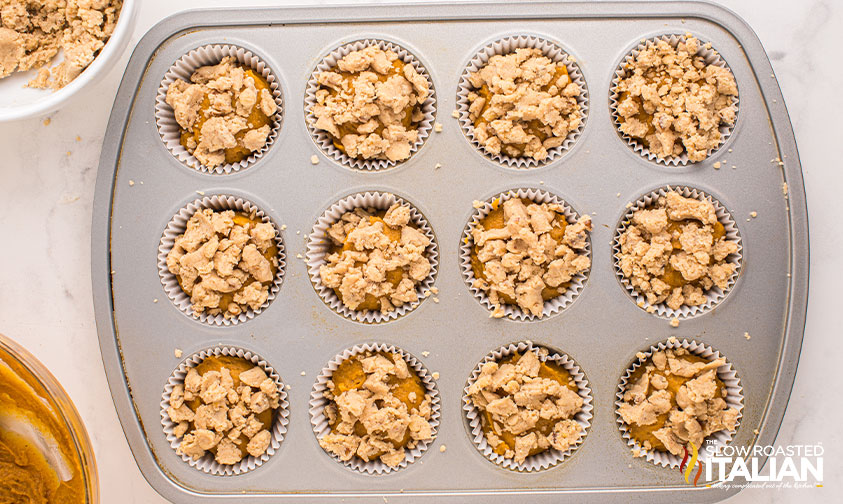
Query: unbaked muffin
{"type": "Point", "coordinates": [524, 253]}
{"type": "Point", "coordinates": [378, 408]}
{"type": "Point", "coordinates": [673, 102]}
{"type": "Point", "coordinates": [377, 260]}
{"type": "Point", "coordinates": [226, 407]}
{"type": "Point", "coordinates": [225, 113]}
{"type": "Point", "coordinates": [225, 261]}
{"type": "Point", "coordinates": [522, 104]}
{"type": "Point", "coordinates": [674, 398]}
{"type": "Point", "coordinates": [675, 251]}
{"type": "Point", "coordinates": [526, 406]}
{"type": "Point", "coordinates": [370, 104]}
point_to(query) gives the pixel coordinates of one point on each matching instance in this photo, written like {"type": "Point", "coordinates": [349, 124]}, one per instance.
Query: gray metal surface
{"type": "Point", "coordinates": [298, 333]}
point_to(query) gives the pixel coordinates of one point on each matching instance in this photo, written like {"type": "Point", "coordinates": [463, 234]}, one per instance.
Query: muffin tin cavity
{"type": "Point", "coordinates": [550, 457]}
{"type": "Point", "coordinates": [508, 45]}
{"type": "Point", "coordinates": [726, 373]}
{"type": "Point", "coordinates": [324, 140]}
{"type": "Point", "coordinates": [178, 225]}
{"type": "Point", "coordinates": [710, 56]}
{"type": "Point", "coordinates": [714, 295]}
{"type": "Point", "coordinates": [321, 425]}
{"type": "Point", "coordinates": [207, 463]}
{"type": "Point", "coordinates": [514, 312]}
{"type": "Point", "coordinates": [183, 68]}
{"type": "Point", "coordinates": [319, 246]}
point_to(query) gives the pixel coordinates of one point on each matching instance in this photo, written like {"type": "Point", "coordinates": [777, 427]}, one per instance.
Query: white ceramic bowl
{"type": "Point", "coordinates": [19, 102]}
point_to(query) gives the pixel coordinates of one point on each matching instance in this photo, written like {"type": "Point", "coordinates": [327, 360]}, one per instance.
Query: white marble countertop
{"type": "Point", "coordinates": [47, 186]}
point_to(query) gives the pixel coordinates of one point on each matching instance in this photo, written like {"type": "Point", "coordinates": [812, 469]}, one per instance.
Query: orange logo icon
{"type": "Point", "coordinates": [688, 469]}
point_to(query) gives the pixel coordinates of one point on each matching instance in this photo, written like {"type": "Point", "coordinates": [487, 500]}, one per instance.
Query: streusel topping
{"type": "Point", "coordinates": [672, 101]}
{"type": "Point", "coordinates": [225, 261]}
{"type": "Point", "coordinates": [32, 34]}
{"type": "Point", "coordinates": [676, 398]}
{"type": "Point", "coordinates": [676, 250]}
{"type": "Point", "coordinates": [225, 112]}
{"type": "Point", "coordinates": [522, 104]}
{"type": "Point", "coordinates": [525, 253]}
{"type": "Point", "coordinates": [528, 406]}
{"type": "Point", "coordinates": [371, 104]}
{"type": "Point", "coordinates": [226, 406]}
{"type": "Point", "coordinates": [378, 259]}
{"type": "Point", "coordinates": [378, 409]}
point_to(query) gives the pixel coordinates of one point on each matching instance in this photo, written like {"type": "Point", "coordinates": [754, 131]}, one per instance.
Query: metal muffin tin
{"type": "Point", "coordinates": [298, 334]}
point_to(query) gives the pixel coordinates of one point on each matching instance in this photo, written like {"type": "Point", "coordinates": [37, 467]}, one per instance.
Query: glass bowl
{"type": "Point", "coordinates": [36, 410]}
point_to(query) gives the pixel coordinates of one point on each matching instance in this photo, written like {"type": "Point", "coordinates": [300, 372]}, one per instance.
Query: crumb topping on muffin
{"type": "Point", "coordinates": [225, 406]}
{"type": "Point", "coordinates": [675, 250]}
{"type": "Point", "coordinates": [527, 406]}
{"type": "Point", "coordinates": [676, 398]}
{"type": "Point", "coordinates": [674, 102]}
{"type": "Point", "coordinates": [525, 253]}
{"type": "Point", "coordinates": [378, 259]}
{"type": "Point", "coordinates": [225, 261]}
{"type": "Point", "coordinates": [225, 112]}
{"type": "Point", "coordinates": [370, 104]}
{"type": "Point", "coordinates": [522, 104]}
{"type": "Point", "coordinates": [378, 409]}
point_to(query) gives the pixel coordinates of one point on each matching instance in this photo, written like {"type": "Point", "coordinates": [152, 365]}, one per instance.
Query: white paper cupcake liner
{"type": "Point", "coordinates": [170, 130]}
{"type": "Point", "coordinates": [734, 399]}
{"type": "Point", "coordinates": [318, 402]}
{"type": "Point", "coordinates": [319, 245]}
{"type": "Point", "coordinates": [178, 225]}
{"type": "Point", "coordinates": [207, 463]}
{"type": "Point", "coordinates": [550, 457]}
{"type": "Point", "coordinates": [326, 142]}
{"type": "Point", "coordinates": [514, 312]}
{"type": "Point", "coordinates": [714, 295]}
{"type": "Point", "coordinates": [505, 46]}
{"type": "Point", "coordinates": [711, 57]}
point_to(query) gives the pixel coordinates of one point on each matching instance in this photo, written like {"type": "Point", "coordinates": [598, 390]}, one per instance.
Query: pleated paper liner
{"type": "Point", "coordinates": [178, 225]}
{"type": "Point", "coordinates": [319, 245]}
{"type": "Point", "coordinates": [727, 375]}
{"type": "Point", "coordinates": [326, 142]}
{"type": "Point", "coordinates": [551, 306]}
{"type": "Point", "coordinates": [182, 69]}
{"type": "Point", "coordinates": [207, 463]}
{"type": "Point", "coordinates": [715, 295]}
{"type": "Point", "coordinates": [550, 457]}
{"type": "Point", "coordinates": [505, 46]}
{"type": "Point", "coordinates": [318, 402]}
{"type": "Point", "coordinates": [711, 57]}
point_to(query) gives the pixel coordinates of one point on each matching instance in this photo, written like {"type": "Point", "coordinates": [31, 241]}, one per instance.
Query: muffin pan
{"type": "Point", "coordinates": [141, 186]}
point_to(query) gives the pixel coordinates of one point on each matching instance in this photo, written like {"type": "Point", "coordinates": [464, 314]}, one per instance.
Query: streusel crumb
{"type": "Point", "coordinates": [528, 406]}
{"type": "Point", "coordinates": [226, 407]}
{"type": "Point", "coordinates": [378, 259]}
{"type": "Point", "coordinates": [525, 253]}
{"type": "Point", "coordinates": [225, 261]}
{"type": "Point", "coordinates": [378, 408]}
{"type": "Point", "coordinates": [676, 398]}
{"type": "Point", "coordinates": [674, 251]}
{"type": "Point", "coordinates": [371, 104]}
{"type": "Point", "coordinates": [523, 104]}
{"type": "Point", "coordinates": [225, 112]}
{"type": "Point", "coordinates": [32, 34]}
{"type": "Point", "coordinates": [672, 101]}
